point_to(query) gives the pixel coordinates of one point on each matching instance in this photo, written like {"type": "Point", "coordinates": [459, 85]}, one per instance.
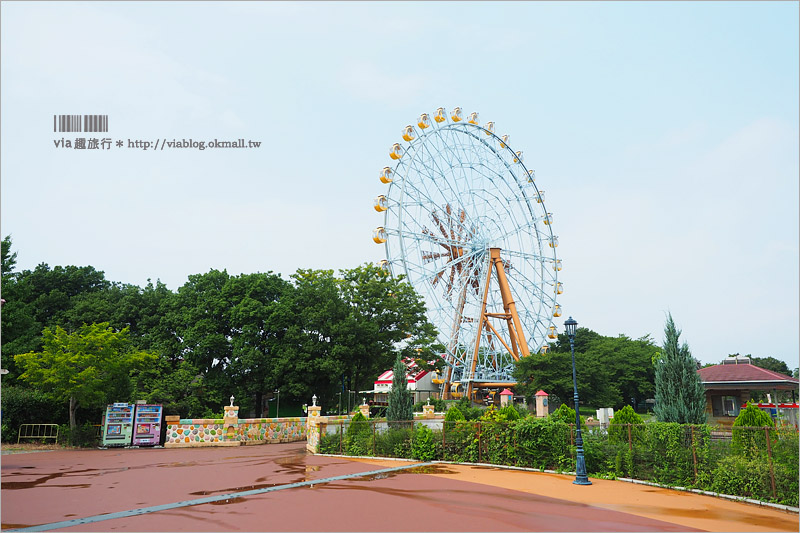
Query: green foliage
{"type": "Point", "coordinates": [618, 426]}
{"type": "Point", "coordinates": [469, 411]}
{"type": "Point", "coordinates": [543, 443]}
{"type": "Point", "coordinates": [395, 442]}
{"type": "Point", "coordinates": [9, 260]}
{"type": "Point", "coordinates": [771, 363]}
{"type": "Point", "coordinates": [751, 442]}
{"type": "Point", "coordinates": [564, 413]}
{"type": "Point", "coordinates": [89, 367]}
{"type": "Point", "coordinates": [453, 414]}
{"type": "Point", "coordinates": [743, 477]}
{"type": "Point", "coordinates": [358, 440]}
{"type": "Point", "coordinates": [82, 436]}
{"type": "Point", "coordinates": [439, 406]}
{"type": "Point", "coordinates": [423, 446]}
{"type": "Point", "coordinates": [400, 400]}
{"type": "Point", "coordinates": [22, 405]}
{"type": "Point", "coordinates": [680, 396]}
{"type": "Point", "coordinates": [509, 412]}
{"type": "Point", "coordinates": [609, 370]}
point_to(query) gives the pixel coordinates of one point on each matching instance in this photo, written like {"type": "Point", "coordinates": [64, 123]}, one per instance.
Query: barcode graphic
{"type": "Point", "coordinates": [80, 123]}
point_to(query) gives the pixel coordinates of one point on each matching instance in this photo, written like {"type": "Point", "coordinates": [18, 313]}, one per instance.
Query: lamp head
{"type": "Point", "coordinates": [570, 325]}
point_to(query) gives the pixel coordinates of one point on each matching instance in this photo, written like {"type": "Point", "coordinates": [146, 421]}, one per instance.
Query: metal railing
{"type": "Point", "coordinates": [38, 431]}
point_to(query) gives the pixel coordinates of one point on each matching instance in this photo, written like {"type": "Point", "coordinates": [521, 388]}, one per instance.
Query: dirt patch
{"type": "Point", "coordinates": [31, 447]}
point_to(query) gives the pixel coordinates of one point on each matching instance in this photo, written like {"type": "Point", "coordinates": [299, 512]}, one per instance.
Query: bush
{"type": "Point", "coordinates": [358, 440]}
{"type": "Point", "coordinates": [470, 413]}
{"type": "Point", "coordinates": [543, 443]}
{"type": "Point", "coordinates": [84, 436]}
{"type": "Point", "coordinates": [21, 405]}
{"type": "Point", "coordinates": [618, 426]}
{"type": "Point", "coordinates": [748, 441]}
{"type": "Point", "coordinates": [565, 414]}
{"type": "Point", "coordinates": [439, 406]}
{"type": "Point", "coordinates": [509, 412]}
{"type": "Point", "coordinates": [396, 442]}
{"type": "Point", "coordinates": [423, 446]}
{"type": "Point", "coordinates": [453, 414]}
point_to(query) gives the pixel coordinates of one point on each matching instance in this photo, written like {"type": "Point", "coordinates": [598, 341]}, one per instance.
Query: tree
{"type": "Point", "coordinates": [41, 298]}
{"type": "Point", "coordinates": [611, 371]}
{"type": "Point", "coordinates": [8, 259]}
{"type": "Point", "coordinates": [680, 396]}
{"type": "Point", "coordinates": [400, 401]}
{"type": "Point", "coordinates": [771, 363]}
{"type": "Point", "coordinates": [87, 368]}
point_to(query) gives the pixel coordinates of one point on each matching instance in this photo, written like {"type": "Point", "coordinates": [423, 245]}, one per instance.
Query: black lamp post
{"type": "Point", "coordinates": [580, 463]}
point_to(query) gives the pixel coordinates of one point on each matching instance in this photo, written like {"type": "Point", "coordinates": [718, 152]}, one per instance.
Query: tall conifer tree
{"type": "Point", "coordinates": [401, 406]}
{"type": "Point", "coordinates": [680, 396]}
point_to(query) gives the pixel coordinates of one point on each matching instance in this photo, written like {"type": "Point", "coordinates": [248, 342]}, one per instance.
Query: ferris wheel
{"type": "Point", "coordinates": [466, 223]}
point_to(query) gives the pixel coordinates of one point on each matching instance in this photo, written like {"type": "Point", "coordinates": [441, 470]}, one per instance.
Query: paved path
{"type": "Point", "coordinates": [280, 488]}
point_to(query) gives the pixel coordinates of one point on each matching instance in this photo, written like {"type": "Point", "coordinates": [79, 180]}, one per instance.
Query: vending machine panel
{"type": "Point", "coordinates": [118, 425]}
{"type": "Point", "coordinates": [148, 425]}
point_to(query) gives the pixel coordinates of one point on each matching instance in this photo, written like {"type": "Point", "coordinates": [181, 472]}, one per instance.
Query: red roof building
{"type": "Point", "coordinates": [729, 387]}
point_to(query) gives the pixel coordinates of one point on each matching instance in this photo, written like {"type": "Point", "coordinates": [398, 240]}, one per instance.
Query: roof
{"type": "Point", "coordinates": [747, 373]}
{"type": "Point", "coordinates": [541, 393]}
{"type": "Point", "coordinates": [414, 373]}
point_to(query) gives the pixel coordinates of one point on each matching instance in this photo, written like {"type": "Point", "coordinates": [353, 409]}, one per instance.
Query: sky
{"type": "Point", "coordinates": [665, 135]}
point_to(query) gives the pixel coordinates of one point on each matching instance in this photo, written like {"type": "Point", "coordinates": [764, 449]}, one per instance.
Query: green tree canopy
{"type": "Point", "coordinates": [680, 396]}
{"type": "Point", "coordinates": [89, 367]}
{"type": "Point", "coordinates": [611, 371]}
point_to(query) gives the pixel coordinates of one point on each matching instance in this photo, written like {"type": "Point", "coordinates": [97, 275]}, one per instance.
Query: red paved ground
{"type": "Point", "coordinates": [39, 488]}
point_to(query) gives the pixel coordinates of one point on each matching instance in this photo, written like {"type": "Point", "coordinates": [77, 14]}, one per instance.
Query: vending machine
{"type": "Point", "coordinates": [118, 425]}
{"type": "Point", "coordinates": [147, 425]}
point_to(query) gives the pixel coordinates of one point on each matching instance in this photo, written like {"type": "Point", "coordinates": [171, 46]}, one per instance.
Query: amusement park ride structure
{"type": "Point", "coordinates": [466, 225]}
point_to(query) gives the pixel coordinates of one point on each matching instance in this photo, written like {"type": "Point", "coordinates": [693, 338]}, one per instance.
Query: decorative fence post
{"type": "Point", "coordinates": [314, 426]}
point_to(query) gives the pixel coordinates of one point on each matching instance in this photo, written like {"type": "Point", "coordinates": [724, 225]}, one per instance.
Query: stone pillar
{"type": "Point", "coordinates": [427, 411]}
{"type": "Point", "coordinates": [230, 422]}
{"type": "Point", "coordinates": [364, 408]}
{"type": "Point", "coordinates": [541, 404]}
{"type": "Point", "coordinates": [313, 428]}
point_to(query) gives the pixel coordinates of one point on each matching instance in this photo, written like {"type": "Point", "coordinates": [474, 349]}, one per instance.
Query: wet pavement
{"type": "Point", "coordinates": [278, 487]}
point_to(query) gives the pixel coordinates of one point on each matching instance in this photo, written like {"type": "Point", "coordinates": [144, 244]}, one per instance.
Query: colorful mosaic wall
{"type": "Point", "coordinates": [211, 432]}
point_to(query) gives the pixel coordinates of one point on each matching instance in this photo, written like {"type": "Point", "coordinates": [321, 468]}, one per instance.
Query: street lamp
{"type": "Point", "coordinates": [580, 463]}
{"type": "Point", "coordinates": [278, 405]}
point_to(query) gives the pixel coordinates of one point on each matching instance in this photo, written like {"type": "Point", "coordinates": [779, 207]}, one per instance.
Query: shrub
{"type": "Point", "coordinates": [509, 412]}
{"type": "Point", "coordinates": [470, 413]}
{"type": "Point", "coordinates": [439, 406]}
{"type": "Point", "coordinates": [423, 446]}
{"type": "Point", "coordinates": [618, 429]}
{"type": "Point", "coordinates": [396, 442]}
{"type": "Point", "coordinates": [543, 443]}
{"type": "Point", "coordinates": [359, 436]}
{"type": "Point", "coordinates": [751, 441]}
{"type": "Point", "coordinates": [565, 414]}
{"type": "Point", "coordinates": [21, 405]}
{"type": "Point", "coordinates": [83, 436]}
{"type": "Point", "coordinates": [453, 414]}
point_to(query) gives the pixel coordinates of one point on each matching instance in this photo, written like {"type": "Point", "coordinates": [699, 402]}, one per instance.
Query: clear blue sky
{"type": "Point", "coordinates": [665, 135]}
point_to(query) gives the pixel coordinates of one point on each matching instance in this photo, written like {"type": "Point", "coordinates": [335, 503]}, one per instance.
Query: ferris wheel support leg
{"type": "Point", "coordinates": [508, 301]}
{"type": "Point", "coordinates": [462, 300]}
{"type": "Point", "coordinates": [481, 321]}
